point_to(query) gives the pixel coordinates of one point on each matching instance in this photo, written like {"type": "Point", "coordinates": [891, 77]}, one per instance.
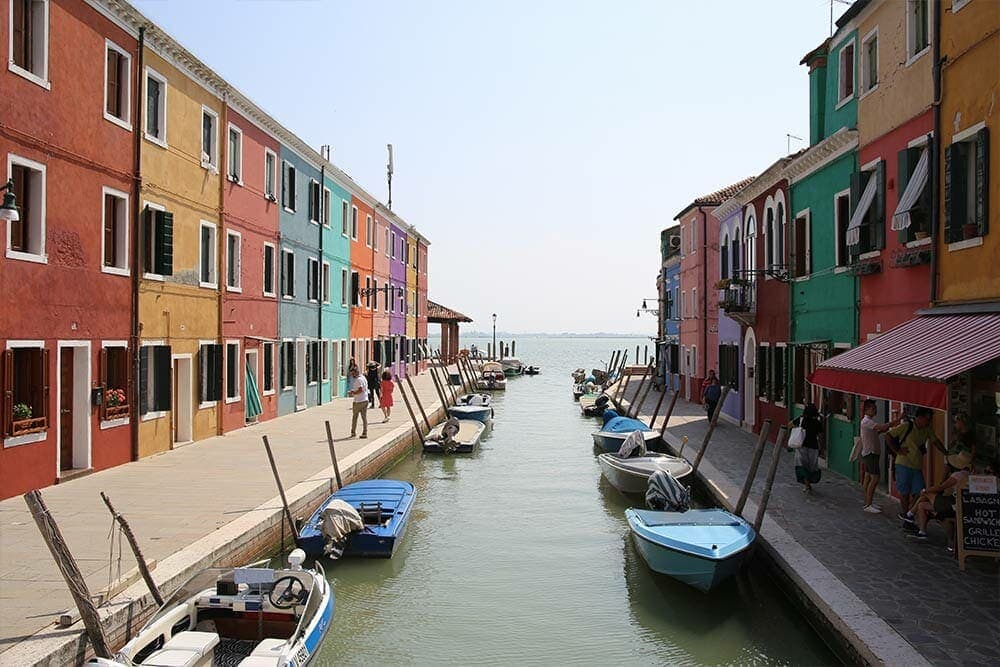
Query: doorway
{"type": "Point", "coordinates": [335, 370]}
{"type": "Point", "coordinates": [252, 359]}
{"type": "Point", "coordinates": [74, 407]}
{"type": "Point", "coordinates": [300, 374]}
{"type": "Point", "coordinates": [749, 379]}
{"type": "Point", "coordinates": [183, 400]}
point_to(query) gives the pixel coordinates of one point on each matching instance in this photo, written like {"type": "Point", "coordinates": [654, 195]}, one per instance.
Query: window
{"type": "Point", "coordinates": [344, 218]}
{"type": "Point", "coordinates": [154, 380]}
{"type": "Point", "coordinates": [734, 252]}
{"type": "Point", "coordinates": [288, 187]}
{"type": "Point", "coordinates": [374, 293]}
{"type": "Point", "coordinates": [845, 82]}
{"type": "Point", "coordinates": [967, 183]}
{"type": "Point", "coordinates": [29, 40]}
{"type": "Point", "coordinates": [343, 358]}
{"type": "Point", "coordinates": [234, 167]}
{"type": "Point", "coordinates": [369, 232]}
{"type": "Point", "coordinates": [326, 282]}
{"type": "Point", "coordinates": [268, 269]}
{"type": "Point", "coordinates": [750, 248]}
{"type": "Point", "coordinates": [841, 217]}
{"type": "Point", "coordinates": [692, 237]}
{"type": "Point", "coordinates": [326, 360]}
{"type": "Point", "coordinates": [869, 61]}
{"type": "Point", "coordinates": [26, 390]}
{"type": "Point", "coordinates": [114, 240]}
{"type": "Point", "coordinates": [779, 236]}
{"type": "Point", "coordinates": [234, 261]}
{"type": "Point", "coordinates": [208, 272]}
{"type": "Point", "coordinates": [394, 245]}
{"type": "Point", "coordinates": [209, 139]}
{"type": "Point", "coordinates": [158, 242]}
{"type": "Point", "coordinates": [390, 298]}
{"type": "Point", "coordinates": [232, 371]}
{"type": "Point", "coordinates": [684, 297]}
{"type": "Point", "coordinates": [778, 373]}
{"type": "Point", "coordinates": [724, 256]}
{"type": "Point", "coordinates": [115, 373]}
{"type": "Point", "coordinates": [803, 252]}
{"type": "Point", "coordinates": [117, 85]}
{"type": "Point", "coordinates": [769, 239]}
{"type": "Point", "coordinates": [912, 216]}
{"type": "Point", "coordinates": [326, 207]}
{"type": "Point", "coordinates": [287, 274]}
{"type": "Point", "coordinates": [375, 237]}
{"type": "Point", "coordinates": [870, 204]}
{"type": "Point", "coordinates": [354, 223]}
{"type": "Point", "coordinates": [729, 365]}
{"type": "Point", "coordinates": [312, 280]}
{"type": "Point", "coordinates": [413, 255]}
{"type": "Point", "coordinates": [355, 289]}
{"type": "Point", "coordinates": [694, 302]}
{"type": "Point", "coordinates": [268, 379]}
{"type": "Point", "coordinates": [287, 365]}
{"type": "Point", "coordinates": [313, 356]}
{"type": "Point", "coordinates": [156, 107]}
{"type": "Point", "coordinates": [343, 287]}
{"type": "Point", "coordinates": [917, 28]}
{"type": "Point", "coordinates": [387, 243]}
{"type": "Point", "coordinates": [270, 174]}
{"type": "Point", "coordinates": [762, 372]}
{"type": "Point", "coordinates": [315, 201]}
{"type": "Point", "coordinates": [368, 291]}
{"type": "Point", "coordinates": [26, 236]}
{"type": "Point", "coordinates": [209, 373]}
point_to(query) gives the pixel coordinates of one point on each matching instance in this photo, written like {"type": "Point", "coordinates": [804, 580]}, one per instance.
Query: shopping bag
{"type": "Point", "coordinates": [856, 452]}
{"type": "Point", "coordinates": [796, 437]}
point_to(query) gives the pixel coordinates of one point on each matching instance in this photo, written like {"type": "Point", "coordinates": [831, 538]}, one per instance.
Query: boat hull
{"type": "Point", "coordinates": [632, 475]}
{"type": "Point", "coordinates": [608, 441]}
{"type": "Point", "coordinates": [480, 413]}
{"type": "Point", "coordinates": [469, 433]}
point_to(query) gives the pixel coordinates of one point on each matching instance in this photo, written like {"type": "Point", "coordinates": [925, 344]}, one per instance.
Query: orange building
{"type": "Point", "coordinates": [362, 223]}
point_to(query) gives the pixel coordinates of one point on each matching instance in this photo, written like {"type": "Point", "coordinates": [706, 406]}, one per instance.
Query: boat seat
{"type": "Point", "coordinates": [265, 654]}
{"type": "Point", "coordinates": [185, 649]}
{"type": "Point", "coordinates": [371, 513]}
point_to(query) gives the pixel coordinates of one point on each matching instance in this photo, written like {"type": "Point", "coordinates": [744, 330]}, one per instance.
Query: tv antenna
{"type": "Point", "coordinates": [388, 170]}
{"type": "Point", "coordinates": [843, 2]}
{"type": "Point", "coordinates": [789, 137]}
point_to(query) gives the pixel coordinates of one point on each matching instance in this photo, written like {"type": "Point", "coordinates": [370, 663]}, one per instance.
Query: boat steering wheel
{"type": "Point", "coordinates": [291, 595]}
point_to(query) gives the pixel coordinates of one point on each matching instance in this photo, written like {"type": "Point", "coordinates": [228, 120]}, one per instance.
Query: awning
{"type": "Point", "coordinates": [910, 196]}
{"type": "Point", "coordinates": [913, 362]}
{"type": "Point", "coordinates": [867, 197]}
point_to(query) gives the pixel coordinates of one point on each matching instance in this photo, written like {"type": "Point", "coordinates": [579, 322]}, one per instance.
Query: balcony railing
{"type": "Point", "coordinates": [738, 297]}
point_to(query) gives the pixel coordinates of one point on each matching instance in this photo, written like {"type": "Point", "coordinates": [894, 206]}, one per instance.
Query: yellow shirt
{"type": "Point", "coordinates": [913, 458]}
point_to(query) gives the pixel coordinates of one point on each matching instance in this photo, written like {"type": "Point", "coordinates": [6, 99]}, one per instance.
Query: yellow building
{"type": "Point", "coordinates": [181, 249]}
{"type": "Point", "coordinates": [969, 245]}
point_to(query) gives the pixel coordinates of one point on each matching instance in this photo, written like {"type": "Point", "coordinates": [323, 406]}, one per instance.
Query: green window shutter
{"type": "Point", "coordinates": [148, 232]}
{"type": "Point", "coordinates": [983, 180]}
{"type": "Point", "coordinates": [164, 243]}
{"type": "Point", "coordinates": [949, 214]}
{"type": "Point", "coordinates": [161, 377]}
{"type": "Point", "coordinates": [877, 212]}
{"type": "Point", "coordinates": [143, 384]}
{"type": "Point", "coordinates": [903, 169]}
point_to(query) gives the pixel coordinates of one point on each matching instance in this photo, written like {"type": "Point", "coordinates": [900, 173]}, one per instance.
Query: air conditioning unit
{"type": "Point", "coordinates": [675, 242]}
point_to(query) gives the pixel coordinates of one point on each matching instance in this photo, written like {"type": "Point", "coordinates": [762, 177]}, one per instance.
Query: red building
{"type": "Point", "coordinates": [67, 108]}
{"type": "Point", "coordinates": [249, 247]}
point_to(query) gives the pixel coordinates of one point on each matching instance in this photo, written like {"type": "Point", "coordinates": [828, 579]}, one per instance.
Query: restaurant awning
{"type": "Point", "coordinates": [911, 195]}
{"type": "Point", "coordinates": [864, 203]}
{"type": "Point", "coordinates": [913, 362]}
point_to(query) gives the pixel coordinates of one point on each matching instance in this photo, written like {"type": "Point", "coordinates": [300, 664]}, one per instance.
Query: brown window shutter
{"type": "Point", "coordinates": [45, 385]}
{"type": "Point", "coordinates": [109, 230]}
{"type": "Point", "coordinates": [7, 402]}
{"type": "Point", "coordinates": [112, 83]}
{"type": "Point", "coordinates": [21, 25]}
{"type": "Point", "coordinates": [102, 356]}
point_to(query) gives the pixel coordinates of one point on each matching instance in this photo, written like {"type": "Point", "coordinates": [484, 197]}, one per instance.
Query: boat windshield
{"type": "Point", "coordinates": [313, 602]}
{"type": "Point", "coordinates": [196, 584]}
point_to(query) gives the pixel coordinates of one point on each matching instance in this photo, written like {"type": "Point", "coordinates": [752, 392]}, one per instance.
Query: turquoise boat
{"type": "Point", "coordinates": [700, 547]}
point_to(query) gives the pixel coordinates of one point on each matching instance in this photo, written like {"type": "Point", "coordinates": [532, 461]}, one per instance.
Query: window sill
{"type": "Point", "coordinates": [841, 269]}
{"type": "Point", "coordinates": [313, 301]}
{"type": "Point", "coordinates": [28, 439]}
{"type": "Point", "coordinates": [269, 196]}
{"type": "Point", "coordinates": [843, 418]}
{"type": "Point", "coordinates": [288, 388]}
{"type": "Point", "coordinates": [289, 210]}
{"type": "Point", "coordinates": [268, 392]}
{"type": "Point", "coordinates": [120, 122]}
{"type": "Point", "coordinates": [154, 276]}
{"type": "Point", "coordinates": [234, 399]}
{"type": "Point", "coordinates": [269, 295]}
{"type": "Point", "coordinates": [113, 423]}
{"type": "Point", "coordinates": [800, 279]}
{"type": "Point", "coordinates": [230, 288]}
{"type": "Point", "coordinates": [115, 270]}
{"type": "Point", "coordinates": [288, 297]}
{"type": "Point", "coordinates": [844, 101]}
{"type": "Point", "coordinates": [974, 242]}
{"type": "Point", "coordinates": [210, 167]}
{"type": "Point", "coordinates": [868, 92]}
{"type": "Point", "coordinates": [27, 256]}
{"type": "Point", "coordinates": [162, 143]}
{"type": "Point", "coordinates": [919, 243]}
{"type": "Point", "coordinates": [30, 76]}
{"type": "Point", "coordinates": [917, 56]}
{"type": "Point", "coordinates": [209, 285]}
{"type": "Point", "coordinates": [871, 254]}
{"type": "Point", "coordinates": [235, 181]}
{"type": "Point", "coordinates": [204, 405]}
{"type": "Point", "coordinates": [326, 302]}
{"type": "Point", "coordinates": [151, 416]}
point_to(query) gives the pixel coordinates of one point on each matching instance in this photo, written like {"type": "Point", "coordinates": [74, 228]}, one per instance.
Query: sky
{"type": "Point", "coordinates": [542, 145]}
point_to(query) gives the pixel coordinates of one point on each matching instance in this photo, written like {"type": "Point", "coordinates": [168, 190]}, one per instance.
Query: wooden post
{"type": "Point", "coordinates": [711, 429]}
{"type": "Point", "coordinates": [656, 410]}
{"type": "Point", "coordinates": [70, 571]}
{"type": "Point", "coordinates": [277, 480]}
{"type": "Point", "coordinates": [409, 409]}
{"type": "Point", "coordinates": [636, 354]}
{"type": "Point", "coordinates": [136, 551]}
{"type": "Point", "coordinates": [451, 388]}
{"type": "Point", "coordinates": [500, 345]}
{"type": "Point", "coordinates": [645, 353]}
{"type": "Point", "coordinates": [513, 348]}
{"type": "Point", "coordinates": [465, 367]}
{"type": "Point", "coordinates": [670, 411]}
{"type": "Point", "coordinates": [778, 444]}
{"type": "Point", "coordinates": [758, 451]}
{"type": "Point", "coordinates": [333, 455]}
{"type": "Point", "coordinates": [416, 398]}
{"type": "Point", "coordinates": [434, 380]}
{"type": "Point", "coordinates": [637, 401]}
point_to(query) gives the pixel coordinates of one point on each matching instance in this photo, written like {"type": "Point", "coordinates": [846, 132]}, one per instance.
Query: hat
{"type": "Point", "coordinates": [372, 364]}
{"type": "Point", "coordinates": [960, 460]}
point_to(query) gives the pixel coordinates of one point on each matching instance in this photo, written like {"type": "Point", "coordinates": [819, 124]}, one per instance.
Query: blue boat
{"type": "Point", "coordinates": [616, 429]}
{"type": "Point", "coordinates": [384, 506]}
{"type": "Point", "coordinates": [481, 413]}
{"type": "Point", "coordinates": [700, 547]}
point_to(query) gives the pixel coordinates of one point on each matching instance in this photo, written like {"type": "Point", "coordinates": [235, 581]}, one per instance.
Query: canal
{"type": "Point", "coordinates": [519, 553]}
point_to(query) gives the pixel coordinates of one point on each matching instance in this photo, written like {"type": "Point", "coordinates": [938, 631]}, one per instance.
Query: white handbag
{"type": "Point", "coordinates": [796, 438]}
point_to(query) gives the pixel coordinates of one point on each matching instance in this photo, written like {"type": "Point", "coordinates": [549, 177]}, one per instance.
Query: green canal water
{"type": "Point", "coordinates": [519, 553]}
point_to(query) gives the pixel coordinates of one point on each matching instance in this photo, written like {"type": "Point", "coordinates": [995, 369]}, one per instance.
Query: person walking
{"type": "Point", "coordinates": [871, 452]}
{"type": "Point", "coordinates": [711, 392]}
{"type": "Point", "coordinates": [371, 376]}
{"type": "Point", "coordinates": [385, 398]}
{"type": "Point", "coordinates": [908, 441]}
{"type": "Point", "coordinates": [807, 470]}
{"type": "Point", "coordinates": [359, 390]}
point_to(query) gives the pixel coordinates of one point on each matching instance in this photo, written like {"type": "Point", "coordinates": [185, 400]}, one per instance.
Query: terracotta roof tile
{"type": "Point", "coordinates": [438, 313]}
{"type": "Point", "coordinates": [717, 197]}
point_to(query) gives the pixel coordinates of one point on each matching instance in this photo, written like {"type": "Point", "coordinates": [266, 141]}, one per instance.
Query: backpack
{"type": "Point", "coordinates": [713, 392]}
{"type": "Point", "coordinates": [895, 443]}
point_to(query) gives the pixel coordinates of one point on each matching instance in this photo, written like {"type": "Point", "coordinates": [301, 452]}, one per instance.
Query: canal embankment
{"type": "Point", "coordinates": [210, 503]}
{"type": "Point", "coordinates": [879, 596]}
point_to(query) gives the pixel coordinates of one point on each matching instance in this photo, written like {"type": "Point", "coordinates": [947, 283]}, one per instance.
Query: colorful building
{"type": "Point", "coordinates": [335, 316]}
{"type": "Point", "coordinates": [380, 282]}
{"type": "Point", "coordinates": [410, 346]}
{"type": "Point", "coordinates": [397, 305]}
{"type": "Point", "coordinates": [668, 291]}
{"type": "Point", "coordinates": [730, 335]}
{"type": "Point", "coordinates": [361, 229]}
{"type": "Point", "coordinates": [423, 246]}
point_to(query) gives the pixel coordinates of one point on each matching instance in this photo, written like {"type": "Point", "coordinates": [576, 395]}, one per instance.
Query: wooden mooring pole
{"type": "Point", "coordinates": [656, 410]}
{"type": "Point", "coordinates": [70, 571]}
{"type": "Point", "coordinates": [416, 399]}
{"type": "Point", "coordinates": [711, 429]}
{"type": "Point", "coordinates": [437, 384]}
{"type": "Point", "coordinates": [409, 409]}
{"type": "Point", "coordinates": [644, 388]}
{"type": "Point", "coordinates": [670, 411]}
{"type": "Point", "coordinates": [136, 551]}
{"type": "Point", "coordinates": [758, 451]}
{"type": "Point", "coordinates": [281, 489]}
{"type": "Point", "coordinates": [333, 455]}
{"type": "Point", "coordinates": [779, 442]}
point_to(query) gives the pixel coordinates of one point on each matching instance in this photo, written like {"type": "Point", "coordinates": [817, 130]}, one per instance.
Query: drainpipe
{"type": "Point", "coordinates": [322, 286]}
{"type": "Point", "coordinates": [934, 146]}
{"type": "Point", "coordinates": [704, 295]}
{"type": "Point", "coordinates": [134, 249]}
{"type": "Point", "coordinates": [221, 248]}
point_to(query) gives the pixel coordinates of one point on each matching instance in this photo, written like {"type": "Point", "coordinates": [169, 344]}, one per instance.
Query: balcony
{"type": "Point", "coordinates": [737, 298]}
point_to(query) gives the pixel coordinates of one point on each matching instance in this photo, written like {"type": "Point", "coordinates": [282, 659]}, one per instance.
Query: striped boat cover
{"type": "Point", "coordinates": [634, 445]}
{"type": "Point", "coordinates": [665, 493]}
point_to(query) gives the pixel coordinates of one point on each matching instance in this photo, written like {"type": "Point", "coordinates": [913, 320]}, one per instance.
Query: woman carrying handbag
{"type": "Point", "coordinates": [804, 439]}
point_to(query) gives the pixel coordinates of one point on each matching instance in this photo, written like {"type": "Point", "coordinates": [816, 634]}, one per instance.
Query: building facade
{"type": "Point", "coordinates": [397, 305]}
{"type": "Point", "coordinates": [730, 338]}
{"type": "Point", "coordinates": [361, 223]}
{"type": "Point", "coordinates": [668, 293]}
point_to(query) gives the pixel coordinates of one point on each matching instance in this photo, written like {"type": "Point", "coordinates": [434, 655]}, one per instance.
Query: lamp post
{"type": "Point", "coordinates": [495, 355]}
{"type": "Point", "coordinates": [9, 209]}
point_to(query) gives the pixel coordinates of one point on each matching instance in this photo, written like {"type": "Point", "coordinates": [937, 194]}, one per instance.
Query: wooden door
{"type": "Point", "coordinates": [66, 409]}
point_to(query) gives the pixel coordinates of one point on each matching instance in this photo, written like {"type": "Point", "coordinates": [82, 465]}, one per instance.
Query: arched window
{"type": "Point", "coordinates": [735, 250]}
{"type": "Point", "coordinates": [750, 247]}
{"type": "Point", "coordinates": [724, 255]}
{"type": "Point", "coordinates": [779, 236]}
{"type": "Point", "coordinates": [769, 238]}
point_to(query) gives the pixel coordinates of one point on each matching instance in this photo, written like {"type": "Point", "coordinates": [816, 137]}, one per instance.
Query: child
{"type": "Point", "coordinates": [385, 400]}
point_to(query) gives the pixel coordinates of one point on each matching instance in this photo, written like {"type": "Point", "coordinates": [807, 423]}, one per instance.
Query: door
{"type": "Point", "coordinates": [749, 378]}
{"type": "Point", "coordinates": [183, 410]}
{"type": "Point", "coordinates": [335, 369]}
{"type": "Point", "coordinates": [300, 374]}
{"type": "Point", "coordinates": [66, 408]}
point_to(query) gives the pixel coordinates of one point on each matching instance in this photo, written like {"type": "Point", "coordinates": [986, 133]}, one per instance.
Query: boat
{"type": "Point", "coordinates": [252, 616]}
{"type": "Point", "coordinates": [474, 399]}
{"type": "Point", "coordinates": [491, 377]}
{"type": "Point", "coordinates": [465, 436]}
{"type": "Point", "coordinates": [700, 547]}
{"type": "Point", "coordinates": [631, 474]}
{"type": "Point", "coordinates": [594, 404]}
{"type": "Point", "coordinates": [383, 507]}
{"type": "Point", "coordinates": [512, 367]}
{"type": "Point", "coordinates": [578, 391]}
{"type": "Point", "coordinates": [532, 370]}
{"type": "Point", "coordinates": [612, 435]}
{"type": "Point", "coordinates": [482, 413]}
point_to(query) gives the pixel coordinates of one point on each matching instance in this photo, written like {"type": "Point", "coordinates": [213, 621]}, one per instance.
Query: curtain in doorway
{"type": "Point", "coordinates": [253, 404]}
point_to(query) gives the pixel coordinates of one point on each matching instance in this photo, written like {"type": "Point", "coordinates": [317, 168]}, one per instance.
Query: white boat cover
{"type": "Point", "coordinates": [665, 493]}
{"type": "Point", "coordinates": [634, 445]}
{"type": "Point", "coordinates": [340, 519]}
{"type": "Point", "coordinates": [475, 399]}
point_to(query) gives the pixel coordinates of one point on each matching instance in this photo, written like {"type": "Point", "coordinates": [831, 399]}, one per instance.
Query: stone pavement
{"type": "Point", "coordinates": [171, 500]}
{"type": "Point", "coordinates": [949, 616]}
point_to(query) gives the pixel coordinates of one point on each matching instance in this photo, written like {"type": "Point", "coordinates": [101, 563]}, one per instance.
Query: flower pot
{"type": "Point", "coordinates": [920, 235]}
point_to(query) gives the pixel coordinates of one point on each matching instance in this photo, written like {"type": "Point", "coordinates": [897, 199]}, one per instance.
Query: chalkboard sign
{"type": "Point", "coordinates": [978, 514]}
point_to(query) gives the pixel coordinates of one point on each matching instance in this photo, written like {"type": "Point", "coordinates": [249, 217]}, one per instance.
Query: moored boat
{"type": "Point", "coordinates": [512, 367]}
{"type": "Point", "coordinates": [616, 429]}
{"type": "Point", "coordinates": [594, 405]}
{"type": "Point", "coordinates": [482, 413]}
{"type": "Point", "coordinates": [474, 399]}
{"type": "Point", "coordinates": [532, 370]}
{"type": "Point", "coordinates": [491, 377]}
{"type": "Point", "coordinates": [461, 436]}
{"type": "Point", "coordinates": [631, 474]}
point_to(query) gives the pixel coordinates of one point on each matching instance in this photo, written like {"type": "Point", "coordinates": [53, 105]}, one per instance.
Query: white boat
{"type": "Point", "coordinates": [474, 399]}
{"type": "Point", "coordinates": [463, 440]}
{"type": "Point", "coordinates": [631, 474]}
{"type": "Point", "coordinates": [248, 617]}
{"type": "Point", "coordinates": [491, 377]}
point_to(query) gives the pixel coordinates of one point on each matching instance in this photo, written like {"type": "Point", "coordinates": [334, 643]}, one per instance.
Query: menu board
{"type": "Point", "coordinates": [978, 515]}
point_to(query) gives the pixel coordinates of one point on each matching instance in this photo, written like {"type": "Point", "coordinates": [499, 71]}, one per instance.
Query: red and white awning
{"type": "Point", "coordinates": [913, 362]}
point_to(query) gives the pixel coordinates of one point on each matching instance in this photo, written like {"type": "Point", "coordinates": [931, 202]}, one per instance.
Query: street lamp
{"type": "Point", "coordinates": [495, 355]}
{"type": "Point", "coordinates": [9, 209]}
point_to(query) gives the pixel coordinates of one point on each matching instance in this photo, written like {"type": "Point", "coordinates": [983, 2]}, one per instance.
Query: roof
{"type": "Point", "coordinates": [437, 313]}
{"type": "Point", "coordinates": [820, 50]}
{"type": "Point", "coordinates": [717, 197]}
{"type": "Point", "coordinates": [852, 11]}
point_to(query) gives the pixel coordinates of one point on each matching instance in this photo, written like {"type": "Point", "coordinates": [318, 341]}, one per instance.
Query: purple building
{"type": "Point", "coordinates": [730, 333]}
{"type": "Point", "coordinates": [398, 249]}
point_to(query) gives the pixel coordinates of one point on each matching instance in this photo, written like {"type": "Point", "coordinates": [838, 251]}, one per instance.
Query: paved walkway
{"type": "Point", "coordinates": [171, 500]}
{"type": "Point", "coordinates": [951, 617]}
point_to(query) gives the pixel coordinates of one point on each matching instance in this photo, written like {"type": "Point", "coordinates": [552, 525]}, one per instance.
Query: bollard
{"type": "Point", "coordinates": [758, 451]}
{"type": "Point", "coordinates": [778, 444]}
{"type": "Point", "coordinates": [711, 429]}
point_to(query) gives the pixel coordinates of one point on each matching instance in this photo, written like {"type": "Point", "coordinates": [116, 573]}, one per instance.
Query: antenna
{"type": "Point", "coordinates": [843, 2]}
{"type": "Point", "coordinates": [324, 150]}
{"type": "Point", "coordinates": [789, 137]}
{"type": "Point", "coordinates": [388, 169]}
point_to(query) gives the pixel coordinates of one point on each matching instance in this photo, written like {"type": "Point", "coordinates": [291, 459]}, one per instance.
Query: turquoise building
{"type": "Point", "coordinates": [335, 315]}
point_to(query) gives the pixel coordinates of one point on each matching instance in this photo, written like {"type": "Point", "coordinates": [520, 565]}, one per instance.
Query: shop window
{"type": "Point", "coordinates": [158, 232]}
{"type": "Point", "coordinates": [232, 372]}
{"type": "Point", "coordinates": [268, 379]}
{"type": "Point", "coordinates": [114, 379]}
{"type": "Point", "coordinates": [117, 84]}
{"type": "Point", "coordinates": [287, 365]}
{"type": "Point", "coordinates": [25, 390]}
{"type": "Point", "coordinates": [26, 236]}
{"type": "Point", "coordinates": [966, 183]}
{"type": "Point", "coordinates": [209, 372]}
{"type": "Point", "coordinates": [154, 379]}
{"type": "Point", "coordinates": [115, 232]}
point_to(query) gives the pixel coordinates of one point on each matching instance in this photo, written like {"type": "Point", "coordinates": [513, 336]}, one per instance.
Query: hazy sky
{"type": "Point", "coordinates": [540, 145]}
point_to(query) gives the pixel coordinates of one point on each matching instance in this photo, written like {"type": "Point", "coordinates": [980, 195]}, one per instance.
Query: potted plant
{"type": "Point", "coordinates": [116, 397]}
{"type": "Point", "coordinates": [22, 411]}
{"type": "Point", "coordinates": [970, 230]}
{"type": "Point", "coordinates": [115, 403]}
{"type": "Point", "coordinates": [920, 235]}
{"type": "Point", "coordinates": [723, 284]}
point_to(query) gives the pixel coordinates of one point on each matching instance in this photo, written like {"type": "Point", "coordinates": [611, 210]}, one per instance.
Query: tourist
{"type": "Point", "coordinates": [359, 390]}
{"type": "Point", "coordinates": [711, 392]}
{"type": "Point", "coordinates": [807, 470]}
{"type": "Point", "coordinates": [372, 377]}
{"type": "Point", "coordinates": [351, 366]}
{"type": "Point", "coordinates": [385, 397]}
{"type": "Point", "coordinates": [908, 441]}
{"type": "Point", "coordinates": [871, 452]}
{"type": "Point", "coordinates": [938, 501]}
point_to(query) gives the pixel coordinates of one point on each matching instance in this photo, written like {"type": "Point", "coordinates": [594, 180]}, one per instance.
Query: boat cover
{"type": "Point", "coordinates": [474, 399]}
{"type": "Point", "coordinates": [339, 520]}
{"type": "Point", "coordinates": [634, 445]}
{"type": "Point", "coordinates": [664, 492]}
{"type": "Point", "coordinates": [615, 424]}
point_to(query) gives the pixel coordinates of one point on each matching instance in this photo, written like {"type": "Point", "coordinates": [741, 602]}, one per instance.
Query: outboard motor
{"type": "Point", "coordinates": [666, 494]}
{"type": "Point", "coordinates": [634, 445]}
{"type": "Point", "coordinates": [602, 402]}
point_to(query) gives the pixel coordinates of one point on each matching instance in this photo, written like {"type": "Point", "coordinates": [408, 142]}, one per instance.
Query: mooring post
{"type": "Point", "coordinates": [416, 399]}
{"type": "Point", "coordinates": [513, 348]}
{"type": "Point", "coordinates": [776, 453]}
{"type": "Point", "coordinates": [500, 345]}
{"type": "Point", "coordinates": [670, 411]}
{"type": "Point", "coordinates": [645, 353]}
{"type": "Point", "coordinates": [409, 409]}
{"type": "Point", "coordinates": [656, 410]}
{"type": "Point", "coordinates": [758, 451]}
{"type": "Point", "coordinates": [437, 385]}
{"type": "Point", "coordinates": [711, 429]}
{"type": "Point", "coordinates": [333, 455]}
{"type": "Point", "coordinates": [636, 354]}
{"type": "Point", "coordinates": [644, 387]}
{"type": "Point", "coordinates": [449, 388]}
{"type": "Point", "coordinates": [281, 489]}
{"type": "Point", "coordinates": [136, 551]}
{"type": "Point", "coordinates": [70, 571]}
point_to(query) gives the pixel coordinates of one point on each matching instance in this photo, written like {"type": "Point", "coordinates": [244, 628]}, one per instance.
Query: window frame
{"type": "Point", "coordinates": [230, 342]}
{"type": "Point", "coordinates": [150, 73]}
{"type": "Point", "coordinates": [288, 180]}
{"type": "Point", "coordinates": [325, 281]}
{"type": "Point", "coordinates": [267, 354]}
{"type": "Point", "coordinates": [271, 188]}
{"type": "Point", "coordinates": [39, 433]}
{"type": "Point", "coordinates": [844, 96]}
{"type": "Point", "coordinates": [326, 210]}
{"type": "Point", "coordinates": [209, 284]}
{"type": "Point", "coordinates": [345, 218]}
{"type": "Point", "coordinates": [840, 231]}
{"type": "Point", "coordinates": [123, 223]}
{"type": "Point", "coordinates": [354, 223]}
{"type": "Point", "coordinates": [283, 363]}
{"type": "Point", "coordinates": [238, 287]}
{"type": "Point", "coordinates": [107, 422]}
{"type": "Point", "coordinates": [126, 122]}
{"type": "Point", "coordinates": [234, 177]}
{"type": "Point", "coordinates": [369, 222]}
{"type": "Point", "coordinates": [147, 244]}
{"type": "Point", "coordinates": [867, 86]}
{"type": "Point", "coordinates": [150, 383]}
{"type": "Point", "coordinates": [40, 80]}
{"type": "Point", "coordinates": [344, 289]}
{"type": "Point", "coordinates": [212, 163]}
{"type": "Point", "coordinates": [274, 255]}
{"type": "Point", "coordinates": [290, 282]}
{"type": "Point", "coordinates": [805, 214]}
{"type": "Point", "coordinates": [313, 276]}
{"type": "Point", "coordinates": [912, 54]}
{"type": "Point", "coordinates": [39, 257]}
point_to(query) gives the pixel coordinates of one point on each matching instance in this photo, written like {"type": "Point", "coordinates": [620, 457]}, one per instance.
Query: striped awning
{"type": "Point", "coordinates": [911, 195]}
{"type": "Point", "coordinates": [913, 362]}
{"type": "Point", "coordinates": [864, 203]}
